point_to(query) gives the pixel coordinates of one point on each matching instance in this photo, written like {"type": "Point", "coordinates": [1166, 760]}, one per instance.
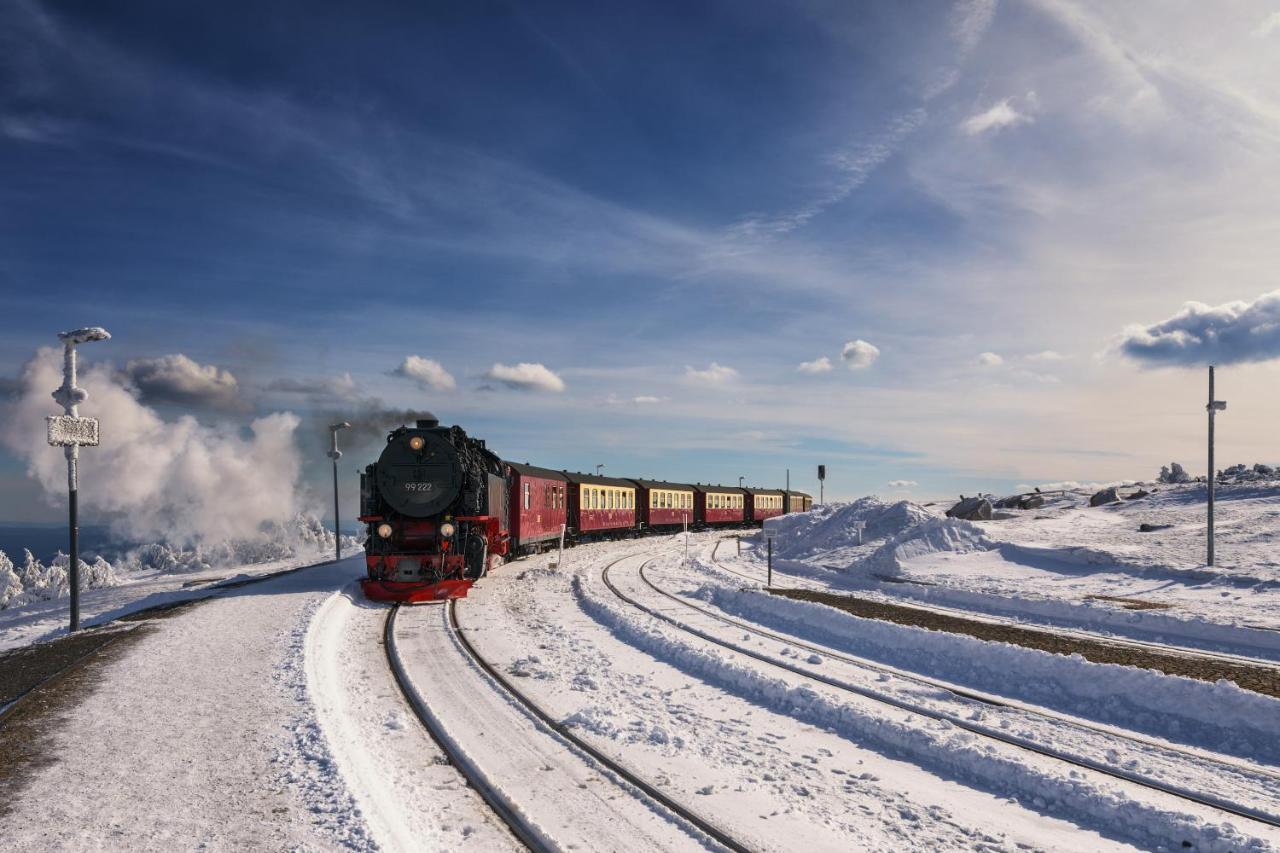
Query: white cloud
{"type": "Point", "coordinates": [1200, 334]}
{"type": "Point", "coordinates": [1045, 356]}
{"type": "Point", "coordinates": [902, 484]}
{"type": "Point", "coordinates": [644, 399]}
{"type": "Point", "coordinates": [715, 374]}
{"type": "Point", "coordinates": [990, 359]}
{"type": "Point", "coordinates": [526, 376]}
{"type": "Point", "coordinates": [818, 365]}
{"type": "Point", "coordinates": [1269, 26]}
{"type": "Point", "coordinates": [427, 372]}
{"type": "Point", "coordinates": [997, 117]}
{"type": "Point", "coordinates": [859, 354]}
{"type": "Point", "coordinates": [178, 379]}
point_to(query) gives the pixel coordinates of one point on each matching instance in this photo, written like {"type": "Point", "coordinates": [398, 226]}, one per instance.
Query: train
{"type": "Point", "coordinates": [441, 510]}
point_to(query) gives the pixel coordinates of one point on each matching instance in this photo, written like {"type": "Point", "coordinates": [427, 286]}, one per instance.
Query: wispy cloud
{"type": "Point", "coordinates": [998, 116]}
{"type": "Point", "coordinates": [859, 355]}
{"type": "Point", "coordinates": [1045, 356]}
{"type": "Point", "coordinates": [989, 359]}
{"type": "Point", "coordinates": [902, 484]}
{"type": "Point", "coordinates": [1269, 25]}
{"type": "Point", "coordinates": [526, 376]}
{"type": "Point", "coordinates": [714, 374]}
{"type": "Point", "coordinates": [818, 365]}
{"type": "Point", "coordinates": [427, 372]}
{"type": "Point", "coordinates": [341, 386]}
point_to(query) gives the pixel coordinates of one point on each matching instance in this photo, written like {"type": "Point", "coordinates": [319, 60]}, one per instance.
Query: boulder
{"type": "Point", "coordinates": [1138, 495]}
{"type": "Point", "coordinates": [1152, 528]}
{"type": "Point", "coordinates": [1031, 502]}
{"type": "Point", "coordinates": [1106, 496]}
{"type": "Point", "coordinates": [1174, 473]}
{"type": "Point", "coordinates": [971, 509]}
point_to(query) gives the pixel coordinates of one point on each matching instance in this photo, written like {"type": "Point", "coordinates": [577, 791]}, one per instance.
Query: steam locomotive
{"type": "Point", "coordinates": [441, 510]}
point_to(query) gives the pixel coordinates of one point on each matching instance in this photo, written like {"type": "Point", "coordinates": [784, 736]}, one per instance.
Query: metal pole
{"type": "Point", "coordinates": [684, 518]}
{"type": "Point", "coordinates": [770, 582]}
{"type": "Point", "coordinates": [1211, 469]}
{"type": "Point", "coordinates": [337, 515]}
{"type": "Point", "coordinates": [335, 454]}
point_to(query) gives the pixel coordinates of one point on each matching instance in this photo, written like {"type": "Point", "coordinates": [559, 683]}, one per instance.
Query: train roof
{"type": "Point", "coordinates": [534, 471]}
{"type": "Point", "coordinates": [800, 493]}
{"type": "Point", "coordinates": [663, 484]}
{"type": "Point", "coordinates": [756, 491]}
{"type": "Point", "coordinates": [593, 480]}
{"type": "Point", "coordinates": [720, 490]}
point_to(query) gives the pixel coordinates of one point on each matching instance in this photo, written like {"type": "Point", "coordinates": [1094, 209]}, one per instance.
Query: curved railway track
{"type": "Point", "coordinates": [1072, 633]}
{"type": "Point", "coordinates": [521, 825]}
{"type": "Point", "coordinates": [1202, 799]}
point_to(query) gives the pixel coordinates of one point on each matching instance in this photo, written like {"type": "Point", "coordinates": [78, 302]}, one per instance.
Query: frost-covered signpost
{"type": "Point", "coordinates": [1213, 408]}
{"type": "Point", "coordinates": [71, 432]}
{"type": "Point", "coordinates": [335, 454]}
{"type": "Point", "coordinates": [822, 482]}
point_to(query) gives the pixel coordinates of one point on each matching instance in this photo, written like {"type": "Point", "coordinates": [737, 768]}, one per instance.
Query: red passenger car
{"type": "Point", "coordinates": [539, 506]}
{"type": "Point", "coordinates": [663, 505]}
{"type": "Point", "coordinates": [600, 507]}
{"type": "Point", "coordinates": [799, 502]}
{"type": "Point", "coordinates": [721, 505]}
{"type": "Point", "coordinates": [764, 503]}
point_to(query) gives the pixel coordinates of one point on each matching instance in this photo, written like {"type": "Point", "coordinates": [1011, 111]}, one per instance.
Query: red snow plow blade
{"type": "Point", "coordinates": [407, 592]}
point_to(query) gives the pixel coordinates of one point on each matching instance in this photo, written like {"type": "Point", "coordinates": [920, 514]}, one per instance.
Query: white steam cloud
{"type": "Point", "coordinates": [175, 481]}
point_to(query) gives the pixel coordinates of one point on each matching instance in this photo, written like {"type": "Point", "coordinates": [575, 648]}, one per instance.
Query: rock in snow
{"type": "Point", "coordinates": [971, 509]}
{"type": "Point", "coordinates": [1106, 496]}
{"type": "Point", "coordinates": [1174, 473]}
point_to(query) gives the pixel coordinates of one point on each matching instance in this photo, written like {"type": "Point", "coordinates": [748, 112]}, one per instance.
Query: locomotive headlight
{"type": "Point", "coordinates": [384, 530]}
{"type": "Point", "coordinates": [446, 530]}
{"type": "Point", "coordinates": [417, 442]}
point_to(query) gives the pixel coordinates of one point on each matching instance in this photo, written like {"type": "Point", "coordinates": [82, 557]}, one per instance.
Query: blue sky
{"type": "Point", "coordinates": [668, 207]}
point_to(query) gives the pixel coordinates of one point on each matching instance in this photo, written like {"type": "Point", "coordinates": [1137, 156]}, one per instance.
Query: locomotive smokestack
{"type": "Point", "coordinates": [428, 422]}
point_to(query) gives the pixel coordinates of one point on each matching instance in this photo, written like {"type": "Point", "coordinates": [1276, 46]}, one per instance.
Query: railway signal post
{"type": "Point", "coordinates": [822, 477]}
{"type": "Point", "coordinates": [1213, 408]}
{"type": "Point", "coordinates": [335, 454]}
{"type": "Point", "coordinates": [71, 432]}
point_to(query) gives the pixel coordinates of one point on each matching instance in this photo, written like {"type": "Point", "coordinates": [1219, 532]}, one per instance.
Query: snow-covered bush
{"type": "Point", "coordinates": [1174, 473]}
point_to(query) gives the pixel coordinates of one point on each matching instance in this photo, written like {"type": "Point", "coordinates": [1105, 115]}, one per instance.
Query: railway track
{"type": "Point", "coordinates": [522, 824]}
{"type": "Point", "coordinates": [1072, 633]}
{"type": "Point", "coordinates": [1201, 798]}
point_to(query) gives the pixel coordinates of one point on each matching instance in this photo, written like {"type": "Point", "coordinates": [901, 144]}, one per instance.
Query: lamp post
{"type": "Point", "coordinates": [740, 479]}
{"type": "Point", "coordinates": [70, 431]}
{"type": "Point", "coordinates": [598, 467]}
{"type": "Point", "coordinates": [335, 454]}
{"type": "Point", "coordinates": [1212, 408]}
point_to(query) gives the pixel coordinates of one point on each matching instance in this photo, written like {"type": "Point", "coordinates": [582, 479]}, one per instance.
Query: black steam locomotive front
{"type": "Point", "coordinates": [435, 505]}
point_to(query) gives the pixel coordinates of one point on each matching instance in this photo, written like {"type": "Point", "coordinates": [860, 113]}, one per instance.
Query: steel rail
{"type": "Point", "coordinates": [700, 824]}
{"type": "Point", "coordinates": [503, 808]}
{"type": "Point", "coordinates": [1086, 764]}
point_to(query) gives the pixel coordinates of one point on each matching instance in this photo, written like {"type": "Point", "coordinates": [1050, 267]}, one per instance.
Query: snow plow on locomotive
{"type": "Point", "coordinates": [435, 507]}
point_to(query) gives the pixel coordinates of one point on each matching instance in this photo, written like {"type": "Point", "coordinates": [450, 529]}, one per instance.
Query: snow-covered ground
{"type": "Point", "coordinates": [1065, 563]}
{"type": "Point", "coordinates": [269, 716]}
{"type": "Point", "coordinates": [34, 595]}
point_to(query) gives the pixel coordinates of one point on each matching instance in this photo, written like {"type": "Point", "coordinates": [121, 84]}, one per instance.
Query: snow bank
{"type": "Point", "coordinates": [34, 581]}
{"type": "Point", "coordinates": [1221, 717]}
{"type": "Point", "coordinates": [935, 744]}
{"type": "Point", "coordinates": [928, 537]}
{"type": "Point", "coordinates": [804, 534]}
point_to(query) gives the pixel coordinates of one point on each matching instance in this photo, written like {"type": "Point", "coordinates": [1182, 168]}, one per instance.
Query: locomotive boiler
{"type": "Point", "coordinates": [435, 505]}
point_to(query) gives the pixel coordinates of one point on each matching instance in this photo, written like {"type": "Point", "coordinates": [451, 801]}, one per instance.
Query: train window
{"type": "Point", "coordinates": [526, 495]}
{"type": "Point", "coordinates": [613, 497]}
